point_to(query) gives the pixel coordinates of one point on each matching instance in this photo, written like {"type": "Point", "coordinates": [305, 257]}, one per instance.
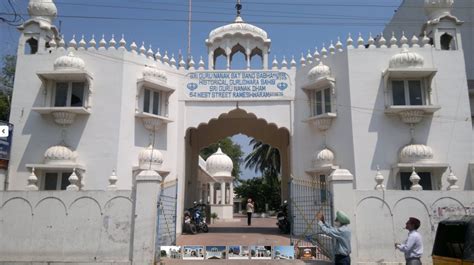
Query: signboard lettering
{"type": "Point", "coordinates": [238, 85]}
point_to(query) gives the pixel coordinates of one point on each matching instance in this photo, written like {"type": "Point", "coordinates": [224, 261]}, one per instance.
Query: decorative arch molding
{"type": "Point", "coordinates": [222, 121]}
{"type": "Point", "coordinates": [415, 199]}
{"type": "Point", "coordinates": [86, 198]}
{"type": "Point", "coordinates": [107, 203]}
{"type": "Point", "coordinates": [376, 198]}
{"type": "Point", "coordinates": [53, 198]}
{"type": "Point", "coordinates": [21, 199]}
{"type": "Point", "coordinates": [449, 198]}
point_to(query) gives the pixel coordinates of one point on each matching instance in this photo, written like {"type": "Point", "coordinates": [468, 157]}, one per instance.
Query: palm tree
{"type": "Point", "coordinates": [264, 158]}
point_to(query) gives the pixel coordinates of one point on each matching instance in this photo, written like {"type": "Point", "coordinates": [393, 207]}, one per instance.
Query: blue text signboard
{"type": "Point", "coordinates": [238, 85]}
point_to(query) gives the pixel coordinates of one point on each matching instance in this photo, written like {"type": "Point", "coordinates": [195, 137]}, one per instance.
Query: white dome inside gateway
{"type": "Point", "coordinates": [219, 164]}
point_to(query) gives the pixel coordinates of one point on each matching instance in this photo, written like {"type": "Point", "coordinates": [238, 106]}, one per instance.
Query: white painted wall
{"type": "Point", "coordinates": [65, 226]}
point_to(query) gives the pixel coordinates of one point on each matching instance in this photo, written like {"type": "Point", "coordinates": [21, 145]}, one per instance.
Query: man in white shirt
{"type": "Point", "coordinates": [413, 246]}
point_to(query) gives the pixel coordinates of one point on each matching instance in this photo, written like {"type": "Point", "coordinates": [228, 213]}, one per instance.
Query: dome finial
{"type": "Point", "coordinates": [238, 6]}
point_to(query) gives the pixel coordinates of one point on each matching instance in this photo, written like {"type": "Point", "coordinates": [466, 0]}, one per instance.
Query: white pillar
{"type": "Point", "coordinates": [145, 212]}
{"type": "Point", "coordinates": [231, 193]}
{"type": "Point", "coordinates": [211, 187]}
{"type": "Point", "coordinates": [222, 192]}
{"type": "Point", "coordinates": [206, 193]}
{"type": "Point", "coordinates": [248, 59]}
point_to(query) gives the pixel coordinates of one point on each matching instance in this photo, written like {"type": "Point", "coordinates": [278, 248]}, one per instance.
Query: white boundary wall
{"type": "Point", "coordinates": [49, 226]}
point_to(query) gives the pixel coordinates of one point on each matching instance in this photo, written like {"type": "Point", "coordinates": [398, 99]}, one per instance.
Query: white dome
{"type": "Point", "coordinates": [42, 9]}
{"type": "Point", "coordinates": [59, 154]}
{"type": "Point", "coordinates": [238, 27]}
{"type": "Point", "coordinates": [416, 153]}
{"type": "Point", "coordinates": [438, 8]}
{"type": "Point", "coordinates": [69, 62]}
{"type": "Point", "coordinates": [319, 71]}
{"type": "Point", "coordinates": [407, 59]}
{"type": "Point", "coordinates": [219, 164]}
{"type": "Point", "coordinates": [150, 158]}
{"type": "Point", "coordinates": [153, 73]}
{"type": "Point", "coordinates": [323, 158]}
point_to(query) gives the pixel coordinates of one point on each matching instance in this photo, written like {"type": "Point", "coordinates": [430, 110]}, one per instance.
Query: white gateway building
{"type": "Point", "coordinates": [380, 127]}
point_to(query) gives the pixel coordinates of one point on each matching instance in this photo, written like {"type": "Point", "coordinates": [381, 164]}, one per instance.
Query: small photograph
{"type": "Point", "coordinates": [306, 253]}
{"type": "Point", "coordinates": [193, 252]}
{"type": "Point", "coordinates": [284, 252]}
{"type": "Point", "coordinates": [170, 252]}
{"type": "Point", "coordinates": [238, 252]}
{"type": "Point", "coordinates": [261, 252]}
{"type": "Point", "coordinates": [215, 252]}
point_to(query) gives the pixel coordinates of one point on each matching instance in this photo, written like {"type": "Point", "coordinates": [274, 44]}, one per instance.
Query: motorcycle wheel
{"type": "Point", "coordinates": [205, 228]}
{"type": "Point", "coordinates": [192, 229]}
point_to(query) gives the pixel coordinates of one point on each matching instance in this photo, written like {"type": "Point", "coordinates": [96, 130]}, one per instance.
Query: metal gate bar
{"type": "Point", "coordinates": [308, 197]}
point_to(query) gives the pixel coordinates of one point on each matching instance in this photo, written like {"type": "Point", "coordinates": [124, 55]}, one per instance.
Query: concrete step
{"type": "Point", "coordinates": [240, 262]}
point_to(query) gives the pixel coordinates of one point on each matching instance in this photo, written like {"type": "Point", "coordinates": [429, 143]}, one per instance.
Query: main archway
{"type": "Point", "coordinates": [228, 124]}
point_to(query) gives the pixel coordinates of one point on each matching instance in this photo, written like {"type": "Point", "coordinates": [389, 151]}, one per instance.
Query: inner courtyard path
{"type": "Point", "coordinates": [263, 232]}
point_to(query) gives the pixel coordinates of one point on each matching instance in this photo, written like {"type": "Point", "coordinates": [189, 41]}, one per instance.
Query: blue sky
{"type": "Point", "coordinates": [293, 26]}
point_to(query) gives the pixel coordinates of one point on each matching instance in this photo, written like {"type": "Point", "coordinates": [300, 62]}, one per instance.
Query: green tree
{"type": "Point", "coordinates": [231, 149]}
{"type": "Point", "coordinates": [7, 79]}
{"type": "Point", "coordinates": [264, 158]}
{"type": "Point", "coordinates": [261, 192]}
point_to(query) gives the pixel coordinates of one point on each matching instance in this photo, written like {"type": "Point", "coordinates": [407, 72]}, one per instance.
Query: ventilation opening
{"type": "Point", "coordinates": [256, 59]}
{"type": "Point", "coordinates": [220, 59]}
{"type": "Point", "coordinates": [32, 46]}
{"type": "Point", "coordinates": [447, 42]}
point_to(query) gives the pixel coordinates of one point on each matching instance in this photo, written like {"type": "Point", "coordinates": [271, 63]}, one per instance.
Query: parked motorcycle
{"type": "Point", "coordinates": [199, 218]}
{"type": "Point", "coordinates": [195, 220]}
{"type": "Point", "coordinates": [283, 220]}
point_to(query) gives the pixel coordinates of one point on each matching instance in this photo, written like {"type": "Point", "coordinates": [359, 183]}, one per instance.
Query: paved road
{"type": "Point", "coordinates": [262, 232]}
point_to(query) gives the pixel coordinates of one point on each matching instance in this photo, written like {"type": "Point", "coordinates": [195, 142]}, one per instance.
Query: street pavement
{"type": "Point", "coordinates": [262, 232]}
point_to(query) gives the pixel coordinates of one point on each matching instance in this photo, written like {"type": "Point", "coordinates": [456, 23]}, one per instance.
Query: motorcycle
{"type": "Point", "coordinates": [283, 220]}
{"type": "Point", "coordinates": [194, 219]}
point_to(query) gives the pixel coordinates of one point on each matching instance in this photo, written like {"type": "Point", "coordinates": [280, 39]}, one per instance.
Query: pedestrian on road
{"type": "Point", "coordinates": [341, 233]}
{"type": "Point", "coordinates": [250, 210]}
{"type": "Point", "coordinates": [413, 246]}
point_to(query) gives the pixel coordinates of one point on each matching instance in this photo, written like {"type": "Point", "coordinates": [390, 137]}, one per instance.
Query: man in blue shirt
{"type": "Point", "coordinates": [413, 246]}
{"type": "Point", "coordinates": [341, 233]}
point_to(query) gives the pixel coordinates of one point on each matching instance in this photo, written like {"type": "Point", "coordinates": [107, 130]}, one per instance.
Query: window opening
{"type": "Point", "coordinates": [407, 92]}
{"type": "Point", "coordinates": [447, 42]}
{"type": "Point", "coordinates": [32, 46]}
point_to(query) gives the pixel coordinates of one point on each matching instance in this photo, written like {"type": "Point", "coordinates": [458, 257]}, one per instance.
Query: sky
{"type": "Point", "coordinates": [293, 26]}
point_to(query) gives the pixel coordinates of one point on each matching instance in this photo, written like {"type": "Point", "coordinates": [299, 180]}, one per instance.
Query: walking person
{"type": "Point", "coordinates": [413, 246]}
{"type": "Point", "coordinates": [250, 210]}
{"type": "Point", "coordinates": [341, 233]}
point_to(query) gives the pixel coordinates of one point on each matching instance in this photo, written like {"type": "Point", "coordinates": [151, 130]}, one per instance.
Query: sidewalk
{"type": "Point", "coordinates": [263, 231]}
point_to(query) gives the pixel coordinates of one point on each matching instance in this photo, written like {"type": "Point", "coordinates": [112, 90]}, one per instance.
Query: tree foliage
{"type": "Point", "coordinates": [231, 149]}
{"type": "Point", "coordinates": [264, 158]}
{"type": "Point", "coordinates": [261, 191]}
{"type": "Point", "coordinates": [7, 79]}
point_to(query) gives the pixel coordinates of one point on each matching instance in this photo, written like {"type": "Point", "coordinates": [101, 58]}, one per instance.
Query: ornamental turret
{"type": "Point", "coordinates": [442, 27]}
{"type": "Point", "coordinates": [38, 31]}
{"type": "Point", "coordinates": [238, 37]}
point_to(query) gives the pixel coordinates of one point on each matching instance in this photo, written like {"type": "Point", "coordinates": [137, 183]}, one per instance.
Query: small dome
{"type": "Point", "coordinates": [238, 27]}
{"type": "Point", "coordinates": [69, 62]}
{"type": "Point", "coordinates": [219, 164]}
{"type": "Point", "coordinates": [150, 158]}
{"type": "Point", "coordinates": [42, 9]}
{"type": "Point", "coordinates": [59, 154]}
{"type": "Point", "coordinates": [416, 153]}
{"type": "Point", "coordinates": [407, 59]}
{"type": "Point", "coordinates": [153, 73]}
{"type": "Point", "coordinates": [319, 71]}
{"type": "Point", "coordinates": [323, 158]}
{"type": "Point", "coordinates": [438, 8]}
